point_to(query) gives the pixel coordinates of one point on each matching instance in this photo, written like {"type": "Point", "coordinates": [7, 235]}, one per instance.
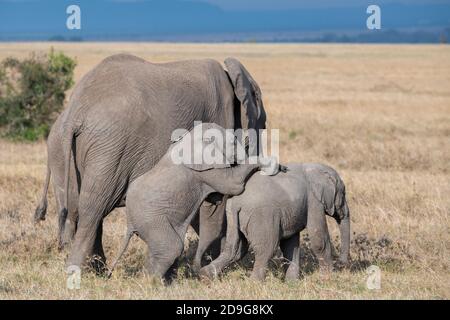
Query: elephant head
{"type": "Point", "coordinates": [328, 188]}
{"type": "Point", "coordinates": [207, 146]}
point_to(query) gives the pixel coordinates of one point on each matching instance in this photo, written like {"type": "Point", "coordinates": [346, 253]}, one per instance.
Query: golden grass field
{"type": "Point", "coordinates": [379, 114]}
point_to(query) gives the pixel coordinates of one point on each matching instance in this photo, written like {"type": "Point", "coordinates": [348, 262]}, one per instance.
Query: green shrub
{"type": "Point", "coordinates": [32, 93]}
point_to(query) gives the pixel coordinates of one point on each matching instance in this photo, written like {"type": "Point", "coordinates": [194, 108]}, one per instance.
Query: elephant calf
{"type": "Point", "coordinates": [161, 203]}
{"type": "Point", "coordinates": [273, 210]}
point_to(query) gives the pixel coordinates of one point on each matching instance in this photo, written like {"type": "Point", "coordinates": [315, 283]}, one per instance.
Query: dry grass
{"type": "Point", "coordinates": [378, 114]}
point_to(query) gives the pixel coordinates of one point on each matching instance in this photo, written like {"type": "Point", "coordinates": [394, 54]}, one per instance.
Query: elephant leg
{"type": "Point", "coordinates": [98, 252]}
{"type": "Point", "coordinates": [320, 237]}
{"type": "Point", "coordinates": [85, 238]}
{"type": "Point", "coordinates": [211, 231]}
{"type": "Point", "coordinates": [232, 249]}
{"type": "Point", "coordinates": [67, 225]}
{"type": "Point", "coordinates": [93, 206]}
{"type": "Point", "coordinates": [69, 231]}
{"type": "Point", "coordinates": [262, 258]}
{"type": "Point", "coordinates": [72, 221]}
{"type": "Point", "coordinates": [264, 237]}
{"type": "Point", "coordinates": [164, 246]}
{"type": "Point", "coordinates": [291, 251]}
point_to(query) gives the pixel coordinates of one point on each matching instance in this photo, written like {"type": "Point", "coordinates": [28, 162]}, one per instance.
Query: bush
{"type": "Point", "coordinates": [32, 93]}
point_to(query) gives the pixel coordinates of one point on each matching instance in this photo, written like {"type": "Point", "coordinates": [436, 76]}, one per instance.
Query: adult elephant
{"type": "Point", "coordinates": [119, 123]}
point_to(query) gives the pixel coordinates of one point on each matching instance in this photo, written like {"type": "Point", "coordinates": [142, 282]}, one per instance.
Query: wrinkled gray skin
{"type": "Point", "coordinates": [210, 225]}
{"type": "Point", "coordinates": [273, 210]}
{"type": "Point", "coordinates": [67, 222]}
{"type": "Point", "coordinates": [55, 169]}
{"type": "Point", "coordinates": [162, 203]}
{"type": "Point", "coordinates": [119, 122]}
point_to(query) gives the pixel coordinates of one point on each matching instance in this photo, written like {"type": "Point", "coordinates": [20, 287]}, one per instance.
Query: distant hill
{"type": "Point", "coordinates": [177, 20]}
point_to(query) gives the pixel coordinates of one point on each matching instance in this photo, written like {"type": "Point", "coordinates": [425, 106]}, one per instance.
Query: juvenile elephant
{"type": "Point", "coordinates": [162, 202]}
{"type": "Point", "coordinates": [273, 210]}
{"type": "Point", "coordinates": [118, 125]}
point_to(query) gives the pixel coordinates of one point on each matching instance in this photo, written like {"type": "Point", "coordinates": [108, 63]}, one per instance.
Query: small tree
{"type": "Point", "coordinates": [32, 93]}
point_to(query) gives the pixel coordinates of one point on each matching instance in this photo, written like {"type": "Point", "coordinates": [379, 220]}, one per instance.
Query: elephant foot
{"type": "Point", "coordinates": [258, 275]}
{"type": "Point", "coordinates": [341, 264]}
{"type": "Point", "coordinates": [292, 274]}
{"type": "Point", "coordinates": [209, 272]}
{"type": "Point", "coordinates": [87, 262]}
{"type": "Point", "coordinates": [196, 266]}
{"type": "Point", "coordinates": [196, 269]}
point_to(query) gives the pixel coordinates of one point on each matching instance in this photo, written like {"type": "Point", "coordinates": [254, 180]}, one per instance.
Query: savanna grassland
{"type": "Point", "coordinates": [379, 114]}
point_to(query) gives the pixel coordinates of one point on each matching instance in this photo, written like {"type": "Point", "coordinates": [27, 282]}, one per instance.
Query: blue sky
{"type": "Point", "coordinates": [297, 4]}
{"type": "Point", "coordinates": [162, 19]}
{"type": "Point", "coordinates": [277, 4]}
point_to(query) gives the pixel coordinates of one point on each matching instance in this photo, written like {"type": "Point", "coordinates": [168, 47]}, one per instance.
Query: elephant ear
{"type": "Point", "coordinates": [339, 201]}
{"type": "Point", "coordinates": [248, 93]}
{"type": "Point", "coordinates": [199, 144]}
{"type": "Point", "coordinates": [323, 188]}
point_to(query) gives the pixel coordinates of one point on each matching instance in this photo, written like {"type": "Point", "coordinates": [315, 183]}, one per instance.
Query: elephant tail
{"type": "Point", "coordinates": [126, 241]}
{"type": "Point", "coordinates": [68, 143]}
{"type": "Point", "coordinates": [41, 210]}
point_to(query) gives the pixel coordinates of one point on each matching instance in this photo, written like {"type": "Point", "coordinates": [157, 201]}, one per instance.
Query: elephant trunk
{"type": "Point", "coordinates": [344, 228]}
